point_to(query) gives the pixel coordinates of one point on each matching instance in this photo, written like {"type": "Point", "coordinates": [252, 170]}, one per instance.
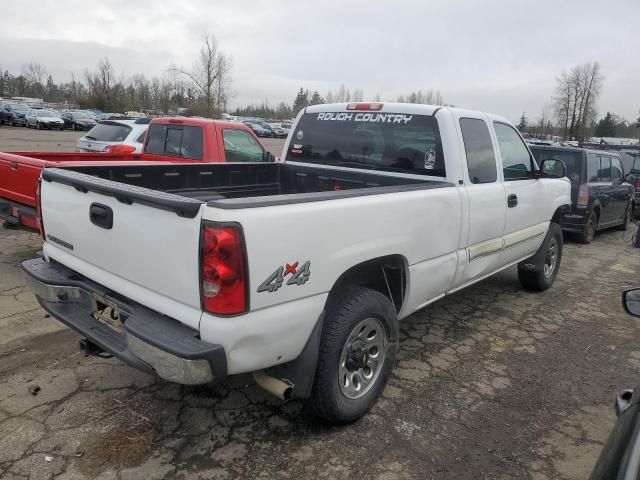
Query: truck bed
{"type": "Point", "coordinates": [239, 185]}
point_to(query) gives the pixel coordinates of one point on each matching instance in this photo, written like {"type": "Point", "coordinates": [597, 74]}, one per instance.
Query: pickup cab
{"type": "Point", "coordinates": [169, 140]}
{"type": "Point", "coordinates": [297, 271]}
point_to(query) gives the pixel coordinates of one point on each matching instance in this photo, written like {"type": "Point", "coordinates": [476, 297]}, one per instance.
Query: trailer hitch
{"type": "Point", "coordinates": [90, 348]}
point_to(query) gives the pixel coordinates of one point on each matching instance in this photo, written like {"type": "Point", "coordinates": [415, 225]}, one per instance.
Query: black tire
{"type": "Point", "coordinates": [590, 229]}
{"type": "Point", "coordinates": [73, 127]}
{"type": "Point", "coordinates": [546, 262]}
{"type": "Point", "coordinates": [627, 217]}
{"type": "Point", "coordinates": [38, 126]}
{"type": "Point", "coordinates": [352, 306]}
{"type": "Point", "coordinates": [13, 122]}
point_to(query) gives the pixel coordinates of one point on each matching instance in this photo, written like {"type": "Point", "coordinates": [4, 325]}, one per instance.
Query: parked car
{"type": "Point", "coordinates": [169, 140]}
{"type": "Point", "coordinates": [112, 116]}
{"type": "Point", "coordinates": [110, 133]}
{"type": "Point", "coordinates": [78, 121]}
{"type": "Point", "coordinates": [258, 129]}
{"type": "Point", "coordinates": [134, 114]}
{"type": "Point", "coordinates": [298, 271]}
{"type": "Point", "coordinates": [43, 118]}
{"type": "Point", "coordinates": [620, 456]}
{"type": "Point", "coordinates": [278, 131]}
{"type": "Point", "coordinates": [600, 197]}
{"type": "Point", "coordinates": [13, 114]}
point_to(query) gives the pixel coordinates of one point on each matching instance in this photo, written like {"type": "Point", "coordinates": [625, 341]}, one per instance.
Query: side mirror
{"type": "Point", "coordinates": [552, 168]}
{"type": "Point", "coordinates": [631, 301]}
{"type": "Point", "coordinates": [269, 157]}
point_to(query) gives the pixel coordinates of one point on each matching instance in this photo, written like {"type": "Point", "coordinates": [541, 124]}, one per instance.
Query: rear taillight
{"type": "Point", "coordinates": [120, 149]}
{"type": "Point", "coordinates": [222, 270]}
{"type": "Point", "coordinates": [39, 221]}
{"type": "Point", "coordinates": [583, 195]}
{"type": "Point", "coordinates": [638, 185]}
{"type": "Point", "coordinates": [365, 106]}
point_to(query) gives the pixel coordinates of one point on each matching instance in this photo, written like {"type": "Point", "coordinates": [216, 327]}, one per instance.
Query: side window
{"type": "Point", "coordinates": [617, 172]}
{"type": "Point", "coordinates": [240, 146]}
{"type": "Point", "coordinates": [604, 174]}
{"type": "Point", "coordinates": [481, 162]}
{"type": "Point", "coordinates": [516, 160]}
{"type": "Point", "coordinates": [593, 167]}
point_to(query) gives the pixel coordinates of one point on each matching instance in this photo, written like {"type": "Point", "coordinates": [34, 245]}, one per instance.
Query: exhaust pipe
{"type": "Point", "coordinates": [280, 388]}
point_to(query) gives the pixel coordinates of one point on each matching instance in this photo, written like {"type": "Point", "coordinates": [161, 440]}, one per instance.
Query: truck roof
{"type": "Point", "coordinates": [395, 107]}
{"type": "Point", "coordinates": [202, 122]}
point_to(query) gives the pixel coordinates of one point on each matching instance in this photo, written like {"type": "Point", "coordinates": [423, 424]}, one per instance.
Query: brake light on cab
{"type": "Point", "coordinates": [222, 270]}
{"type": "Point", "coordinates": [375, 106]}
{"type": "Point", "coordinates": [583, 195]}
{"type": "Point", "coordinates": [121, 149]}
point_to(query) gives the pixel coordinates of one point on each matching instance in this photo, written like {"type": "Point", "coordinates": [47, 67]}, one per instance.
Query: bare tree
{"type": "Point", "coordinates": [209, 74]}
{"type": "Point", "coordinates": [358, 95]}
{"type": "Point", "coordinates": [101, 83]}
{"type": "Point", "coordinates": [576, 94]}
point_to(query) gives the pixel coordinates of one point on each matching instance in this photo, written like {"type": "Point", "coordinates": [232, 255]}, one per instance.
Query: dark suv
{"type": "Point", "coordinates": [600, 197]}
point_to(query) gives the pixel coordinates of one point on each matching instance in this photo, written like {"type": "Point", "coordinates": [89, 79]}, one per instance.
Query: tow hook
{"type": "Point", "coordinates": [90, 348]}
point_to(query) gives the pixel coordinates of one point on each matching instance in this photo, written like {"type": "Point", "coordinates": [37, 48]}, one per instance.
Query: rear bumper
{"type": "Point", "coordinates": [148, 341]}
{"type": "Point", "coordinates": [18, 215]}
{"type": "Point", "coordinates": [572, 222]}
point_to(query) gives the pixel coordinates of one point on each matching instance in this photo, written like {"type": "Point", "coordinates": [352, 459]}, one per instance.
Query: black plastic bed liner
{"type": "Point", "coordinates": [183, 188]}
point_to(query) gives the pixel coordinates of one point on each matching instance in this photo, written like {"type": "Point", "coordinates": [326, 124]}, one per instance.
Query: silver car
{"type": "Point", "coordinates": [120, 136]}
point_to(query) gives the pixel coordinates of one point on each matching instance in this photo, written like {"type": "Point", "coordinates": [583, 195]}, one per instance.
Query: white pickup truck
{"type": "Point", "coordinates": [297, 270]}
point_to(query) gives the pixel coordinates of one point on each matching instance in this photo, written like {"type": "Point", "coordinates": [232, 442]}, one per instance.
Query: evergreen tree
{"type": "Point", "coordinates": [301, 101]}
{"type": "Point", "coordinates": [606, 127]}
{"type": "Point", "coordinates": [523, 123]}
{"type": "Point", "coordinates": [316, 99]}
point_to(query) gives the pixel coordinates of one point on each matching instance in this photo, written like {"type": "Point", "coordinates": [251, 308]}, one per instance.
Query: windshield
{"type": "Point", "coordinates": [573, 161]}
{"type": "Point", "coordinates": [46, 113]}
{"type": "Point", "coordinates": [394, 142]}
{"type": "Point", "coordinates": [108, 132]}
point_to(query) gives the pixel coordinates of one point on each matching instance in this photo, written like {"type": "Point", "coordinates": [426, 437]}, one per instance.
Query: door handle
{"type": "Point", "coordinates": [512, 200]}
{"type": "Point", "coordinates": [101, 215]}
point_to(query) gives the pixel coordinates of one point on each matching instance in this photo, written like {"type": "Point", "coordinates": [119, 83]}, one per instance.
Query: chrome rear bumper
{"type": "Point", "coordinates": [145, 340]}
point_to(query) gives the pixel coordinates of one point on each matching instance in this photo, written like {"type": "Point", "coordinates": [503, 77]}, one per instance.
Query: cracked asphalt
{"type": "Point", "coordinates": [491, 383]}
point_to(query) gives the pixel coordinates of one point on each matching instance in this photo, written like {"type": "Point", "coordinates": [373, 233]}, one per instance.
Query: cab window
{"type": "Point", "coordinates": [183, 141]}
{"type": "Point", "coordinates": [481, 161]}
{"type": "Point", "coordinates": [241, 146]}
{"type": "Point", "coordinates": [516, 160]}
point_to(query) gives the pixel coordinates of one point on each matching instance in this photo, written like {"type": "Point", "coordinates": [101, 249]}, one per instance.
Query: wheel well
{"type": "Point", "coordinates": [557, 215]}
{"type": "Point", "coordinates": [387, 275]}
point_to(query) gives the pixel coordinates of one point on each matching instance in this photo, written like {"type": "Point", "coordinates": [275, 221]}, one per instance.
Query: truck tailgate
{"type": "Point", "coordinates": [137, 242]}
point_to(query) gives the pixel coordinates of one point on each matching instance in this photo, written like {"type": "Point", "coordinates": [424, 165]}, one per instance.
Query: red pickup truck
{"type": "Point", "coordinates": [168, 140]}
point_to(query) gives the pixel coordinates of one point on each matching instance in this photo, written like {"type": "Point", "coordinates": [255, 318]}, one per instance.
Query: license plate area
{"type": "Point", "coordinates": [107, 313]}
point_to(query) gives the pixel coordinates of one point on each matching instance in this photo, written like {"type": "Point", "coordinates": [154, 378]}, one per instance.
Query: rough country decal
{"type": "Point", "coordinates": [366, 117]}
{"type": "Point", "coordinates": [299, 276]}
{"type": "Point", "coordinates": [429, 159]}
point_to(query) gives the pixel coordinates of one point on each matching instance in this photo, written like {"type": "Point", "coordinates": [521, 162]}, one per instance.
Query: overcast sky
{"type": "Point", "coordinates": [499, 56]}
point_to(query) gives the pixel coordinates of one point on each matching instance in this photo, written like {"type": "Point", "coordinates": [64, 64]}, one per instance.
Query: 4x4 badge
{"type": "Point", "coordinates": [299, 276]}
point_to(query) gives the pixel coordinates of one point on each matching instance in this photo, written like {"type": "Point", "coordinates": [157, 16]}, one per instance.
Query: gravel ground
{"type": "Point", "coordinates": [492, 382]}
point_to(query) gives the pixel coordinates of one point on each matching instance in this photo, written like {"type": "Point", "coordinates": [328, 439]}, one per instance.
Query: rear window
{"type": "Point", "coordinates": [573, 161]}
{"type": "Point", "coordinates": [395, 142]}
{"type": "Point", "coordinates": [108, 132]}
{"type": "Point", "coordinates": [183, 141]}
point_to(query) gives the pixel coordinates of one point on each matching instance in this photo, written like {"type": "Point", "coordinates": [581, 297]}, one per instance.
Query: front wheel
{"type": "Point", "coordinates": [38, 126]}
{"type": "Point", "coordinates": [356, 355]}
{"type": "Point", "coordinates": [540, 271]}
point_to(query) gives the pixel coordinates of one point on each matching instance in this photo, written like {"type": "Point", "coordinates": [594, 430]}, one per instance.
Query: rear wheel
{"type": "Point", "coordinates": [590, 228]}
{"type": "Point", "coordinates": [356, 355]}
{"type": "Point", "coordinates": [546, 262]}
